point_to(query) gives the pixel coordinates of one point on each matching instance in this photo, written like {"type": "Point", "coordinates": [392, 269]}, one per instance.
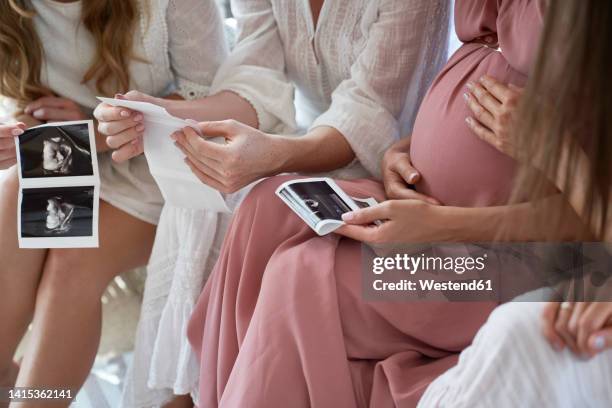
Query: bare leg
{"type": "Point", "coordinates": [19, 276]}
{"type": "Point", "coordinates": [180, 401]}
{"type": "Point", "coordinates": [67, 318]}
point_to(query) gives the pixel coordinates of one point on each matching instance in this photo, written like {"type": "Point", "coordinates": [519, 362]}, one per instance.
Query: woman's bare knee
{"type": "Point", "coordinates": [71, 273]}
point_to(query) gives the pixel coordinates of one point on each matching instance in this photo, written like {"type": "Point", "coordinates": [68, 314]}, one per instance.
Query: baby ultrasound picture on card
{"type": "Point", "coordinates": [56, 151]}
{"type": "Point", "coordinates": [57, 212]}
{"type": "Point", "coordinates": [58, 186]}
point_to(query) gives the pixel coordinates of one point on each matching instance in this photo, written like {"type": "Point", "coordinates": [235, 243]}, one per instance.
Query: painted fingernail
{"type": "Point", "coordinates": [466, 96]}
{"type": "Point", "coordinates": [125, 114]}
{"type": "Point", "coordinates": [140, 128]}
{"type": "Point", "coordinates": [349, 216]}
{"type": "Point", "coordinates": [598, 343]}
{"type": "Point", "coordinates": [37, 114]}
{"type": "Point", "coordinates": [17, 132]}
{"type": "Point", "coordinates": [413, 178]}
{"type": "Point", "coordinates": [138, 117]}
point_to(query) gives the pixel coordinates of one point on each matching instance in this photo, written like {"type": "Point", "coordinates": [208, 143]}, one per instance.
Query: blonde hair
{"type": "Point", "coordinates": [112, 24]}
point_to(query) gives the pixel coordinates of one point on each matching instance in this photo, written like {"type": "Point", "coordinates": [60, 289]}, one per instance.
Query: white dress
{"type": "Point", "coordinates": [510, 364]}
{"type": "Point", "coordinates": [363, 70]}
{"type": "Point", "coordinates": [178, 61]}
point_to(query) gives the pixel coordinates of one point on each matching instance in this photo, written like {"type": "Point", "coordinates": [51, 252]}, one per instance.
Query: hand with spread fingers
{"type": "Point", "coordinates": [246, 155]}
{"type": "Point", "coordinates": [494, 107]}
{"type": "Point", "coordinates": [583, 327]}
{"type": "Point", "coordinates": [8, 133]}
{"type": "Point", "coordinates": [123, 128]}
{"type": "Point", "coordinates": [400, 176]}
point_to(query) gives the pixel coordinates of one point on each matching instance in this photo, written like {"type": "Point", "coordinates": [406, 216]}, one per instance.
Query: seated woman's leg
{"type": "Point", "coordinates": [285, 305]}
{"type": "Point", "coordinates": [510, 363]}
{"type": "Point", "coordinates": [67, 318]}
{"type": "Point", "coordinates": [19, 276]}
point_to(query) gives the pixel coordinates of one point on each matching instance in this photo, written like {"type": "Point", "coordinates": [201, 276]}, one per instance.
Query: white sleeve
{"type": "Point", "coordinates": [255, 69]}
{"type": "Point", "coordinates": [366, 108]}
{"type": "Point", "coordinates": [196, 44]}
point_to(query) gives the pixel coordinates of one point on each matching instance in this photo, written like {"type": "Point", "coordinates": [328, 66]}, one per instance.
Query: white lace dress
{"type": "Point", "coordinates": [363, 70]}
{"type": "Point", "coordinates": [510, 364]}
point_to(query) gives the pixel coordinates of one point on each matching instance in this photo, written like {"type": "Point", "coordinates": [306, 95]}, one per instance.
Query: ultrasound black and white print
{"type": "Point", "coordinates": [56, 151]}
{"type": "Point", "coordinates": [58, 186]}
{"type": "Point", "coordinates": [57, 212]}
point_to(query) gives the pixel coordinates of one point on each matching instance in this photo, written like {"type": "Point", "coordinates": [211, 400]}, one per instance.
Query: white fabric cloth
{"type": "Point", "coordinates": [373, 58]}
{"type": "Point", "coordinates": [510, 364]}
{"type": "Point", "coordinates": [176, 59]}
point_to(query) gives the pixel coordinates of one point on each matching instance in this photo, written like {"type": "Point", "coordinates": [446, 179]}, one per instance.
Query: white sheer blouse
{"type": "Point", "coordinates": [356, 71]}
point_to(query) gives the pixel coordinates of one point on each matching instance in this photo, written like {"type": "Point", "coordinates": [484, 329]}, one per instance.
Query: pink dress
{"type": "Point", "coordinates": [282, 323]}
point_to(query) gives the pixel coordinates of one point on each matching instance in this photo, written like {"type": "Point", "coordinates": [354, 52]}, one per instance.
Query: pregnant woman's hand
{"type": "Point", "coordinates": [399, 176]}
{"type": "Point", "coordinates": [8, 133]}
{"type": "Point", "coordinates": [54, 109]}
{"type": "Point", "coordinates": [123, 128]}
{"type": "Point", "coordinates": [246, 155]}
{"type": "Point", "coordinates": [494, 106]}
{"type": "Point", "coordinates": [402, 221]}
{"type": "Point", "coordinates": [585, 328]}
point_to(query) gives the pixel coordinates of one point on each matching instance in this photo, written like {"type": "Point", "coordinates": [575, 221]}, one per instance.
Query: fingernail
{"type": "Point", "coordinates": [125, 114]}
{"type": "Point", "coordinates": [140, 128]}
{"type": "Point", "coordinates": [139, 117]}
{"type": "Point", "coordinates": [118, 96]}
{"type": "Point", "coordinates": [466, 96]}
{"type": "Point", "coordinates": [173, 137]}
{"type": "Point", "coordinates": [470, 85]}
{"type": "Point", "coordinates": [349, 216]}
{"type": "Point", "coordinates": [484, 79]}
{"type": "Point", "coordinates": [17, 132]}
{"type": "Point", "coordinates": [413, 178]}
{"type": "Point", "coordinates": [37, 114]}
{"type": "Point", "coordinates": [468, 120]}
{"type": "Point", "coordinates": [598, 343]}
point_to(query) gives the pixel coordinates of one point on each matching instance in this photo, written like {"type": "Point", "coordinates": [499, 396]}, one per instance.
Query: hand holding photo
{"type": "Point", "coordinates": [320, 202]}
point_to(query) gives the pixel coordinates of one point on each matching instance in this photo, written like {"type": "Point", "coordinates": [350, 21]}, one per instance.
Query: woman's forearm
{"type": "Point", "coordinates": [222, 106]}
{"type": "Point", "coordinates": [322, 149]}
{"type": "Point", "coordinates": [526, 222]}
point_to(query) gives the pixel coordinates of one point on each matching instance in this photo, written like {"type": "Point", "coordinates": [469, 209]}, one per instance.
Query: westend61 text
{"type": "Point", "coordinates": [432, 285]}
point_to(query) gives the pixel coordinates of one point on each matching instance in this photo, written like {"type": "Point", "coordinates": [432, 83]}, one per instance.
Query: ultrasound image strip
{"type": "Point", "coordinates": [59, 186]}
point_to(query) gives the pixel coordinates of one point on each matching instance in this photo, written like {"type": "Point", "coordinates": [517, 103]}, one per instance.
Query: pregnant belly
{"type": "Point", "coordinates": [456, 166]}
